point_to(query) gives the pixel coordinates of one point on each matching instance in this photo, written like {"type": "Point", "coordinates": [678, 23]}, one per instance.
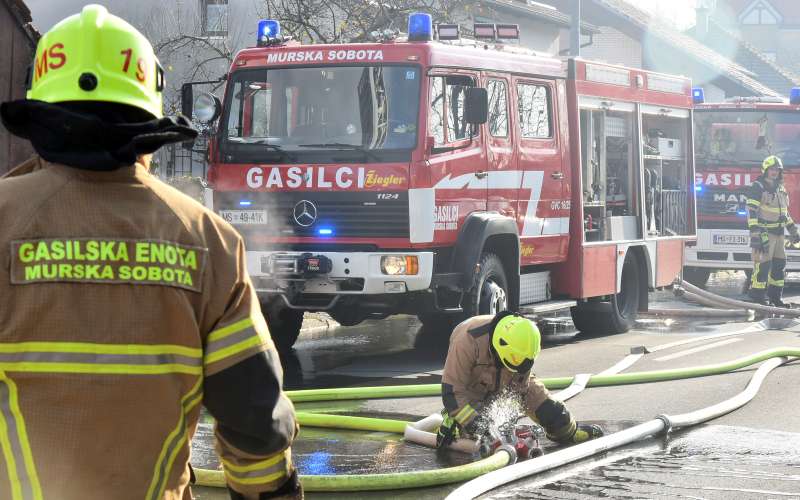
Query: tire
{"type": "Point", "coordinates": [490, 293]}
{"type": "Point", "coordinates": [697, 276]}
{"type": "Point", "coordinates": [617, 315]}
{"type": "Point", "coordinates": [284, 323]}
{"type": "Point", "coordinates": [349, 316]}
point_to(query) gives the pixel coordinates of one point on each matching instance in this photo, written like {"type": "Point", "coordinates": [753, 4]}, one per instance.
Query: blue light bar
{"type": "Point", "coordinates": [741, 212]}
{"type": "Point", "coordinates": [325, 231]}
{"type": "Point", "coordinates": [698, 95]}
{"type": "Point", "coordinates": [794, 95]}
{"type": "Point", "coordinates": [420, 27]}
{"type": "Point", "coordinates": [698, 188]}
{"type": "Point", "coordinates": [268, 29]}
{"type": "Point", "coordinates": [245, 203]}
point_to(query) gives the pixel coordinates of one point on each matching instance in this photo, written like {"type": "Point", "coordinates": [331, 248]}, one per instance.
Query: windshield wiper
{"type": "Point", "coordinates": [342, 146]}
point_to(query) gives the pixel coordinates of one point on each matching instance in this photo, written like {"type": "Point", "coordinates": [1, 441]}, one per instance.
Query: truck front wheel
{"type": "Point", "coordinates": [697, 276]}
{"type": "Point", "coordinates": [617, 315]}
{"type": "Point", "coordinates": [284, 323]}
{"type": "Point", "coordinates": [490, 293]}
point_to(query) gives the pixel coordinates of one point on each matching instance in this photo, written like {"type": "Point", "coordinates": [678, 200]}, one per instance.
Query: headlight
{"type": "Point", "coordinates": [394, 265]}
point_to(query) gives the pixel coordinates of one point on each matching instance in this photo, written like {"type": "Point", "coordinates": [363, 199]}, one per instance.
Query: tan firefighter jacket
{"type": "Point", "coordinates": [768, 209]}
{"type": "Point", "coordinates": [476, 377]}
{"type": "Point", "coordinates": [125, 306]}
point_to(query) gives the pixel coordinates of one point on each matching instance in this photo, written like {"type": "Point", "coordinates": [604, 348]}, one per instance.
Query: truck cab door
{"type": "Point", "coordinates": [543, 199]}
{"type": "Point", "coordinates": [457, 162]}
{"type": "Point", "coordinates": [504, 178]}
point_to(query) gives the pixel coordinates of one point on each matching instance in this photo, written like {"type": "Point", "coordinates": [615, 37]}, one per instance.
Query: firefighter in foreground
{"type": "Point", "coordinates": [767, 219]}
{"type": "Point", "coordinates": [126, 304]}
{"type": "Point", "coordinates": [491, 354]}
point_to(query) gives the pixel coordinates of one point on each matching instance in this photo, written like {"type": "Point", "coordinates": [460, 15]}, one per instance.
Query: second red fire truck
{"type": "Point", "coordinates": [447, 178]}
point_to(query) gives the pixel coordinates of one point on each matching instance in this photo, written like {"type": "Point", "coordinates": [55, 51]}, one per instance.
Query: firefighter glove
{"type": "Point", "coordinates": [448, 432]}
{"type": "Point", "coordinates": [764, 241]}
{"type": "Point", "coordinates": [585, 432]}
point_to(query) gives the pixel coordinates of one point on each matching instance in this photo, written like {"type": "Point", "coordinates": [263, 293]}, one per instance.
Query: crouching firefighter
{"type": "Point", "coordinates": [767, 219]}
{"type": "Point", "coordinates": [126, 304]}
{"type": "Point", "coordinates": [492, 354]}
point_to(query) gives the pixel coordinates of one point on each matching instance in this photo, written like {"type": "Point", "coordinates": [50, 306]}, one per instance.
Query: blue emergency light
{"type": "Point", "coordinates": [741, 212]}
{"type": "Point", "coordinates": [325, 231]}
{"type": "Point", "coordinates": [245, 203]}
{"type": "Point", "coordinates": [794, 95]}
{"type": "Point", "coordinates": [698, 95]}
{"type": "Point", "coordinates": [698, 188]}
{"type": "Point", "coordinates": [420, 27]}
{"type": "Point", "coordinates": [268, 29]}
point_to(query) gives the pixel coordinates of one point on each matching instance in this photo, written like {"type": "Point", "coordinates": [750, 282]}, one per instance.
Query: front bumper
{"type": "Point", "coordinates": [352, 273]}
{"type": "Point", "coordinates": [728, 249]}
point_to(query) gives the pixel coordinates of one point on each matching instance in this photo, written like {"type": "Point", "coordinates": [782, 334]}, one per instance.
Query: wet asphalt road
{"type": "Point", "coordinates": [752, 453]}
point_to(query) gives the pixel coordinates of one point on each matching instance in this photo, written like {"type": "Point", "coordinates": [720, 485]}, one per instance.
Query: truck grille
{"type": "Point", "coordinates": [345, 214]}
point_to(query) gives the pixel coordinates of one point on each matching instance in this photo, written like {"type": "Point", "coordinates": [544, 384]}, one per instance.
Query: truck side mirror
{"type": "Point", "coordinates": [476, 106]}
{"type": "Point", "coordinates": [208, 108]}
{"type": "Point", "coordinates": [187, 100]}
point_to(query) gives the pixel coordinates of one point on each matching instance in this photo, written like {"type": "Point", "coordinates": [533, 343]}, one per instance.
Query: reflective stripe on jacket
{"type": "Point", "coordinates": [768, 209]}
{"type": "Point", "coordinates": [127, 305]}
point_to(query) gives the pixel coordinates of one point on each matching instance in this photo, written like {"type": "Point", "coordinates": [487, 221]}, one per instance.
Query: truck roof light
{"type": "Point", "coordinates": [698, 95]}
{"type": "Point", "coordinates": [508, 31]}
{"type": "Point", "coordinates": [269, 32]}
{"type": "Point", "coordinates": [486, 31]}
{"type": "Point", "coordinates": [448, 31]}
{"type": "Point", "coordinates": [794, 95]}
{"type": "Point", "coordinates": [420, 27]}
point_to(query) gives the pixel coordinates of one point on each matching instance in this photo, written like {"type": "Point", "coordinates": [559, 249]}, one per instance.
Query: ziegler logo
{"type": "Point", "coordinates": [374, 179]}
{"type": "Point", "coordinates": [320, 178]}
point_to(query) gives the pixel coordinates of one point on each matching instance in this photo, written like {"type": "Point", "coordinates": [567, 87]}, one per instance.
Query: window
{"type": "Point", "coordinates": [534, 111]}
{"type": "Point", "coordinates": [498, 108]}
{"type": "Point", "coordinates": [215, 17]}
{"type": "Point", "coordinates": [437, 110]}
{"type": "Point", "coordinates": [447, 119]}
{"type": "Point", "coordinates": [760, 13]}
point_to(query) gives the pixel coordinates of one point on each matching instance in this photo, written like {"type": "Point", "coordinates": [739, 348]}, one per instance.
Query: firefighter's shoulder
{"type": "Point", "coordinates": [28, 166]}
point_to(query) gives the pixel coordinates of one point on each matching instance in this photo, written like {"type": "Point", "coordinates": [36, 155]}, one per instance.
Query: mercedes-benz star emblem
{"type": "Point", "coordinates": [305, 213]}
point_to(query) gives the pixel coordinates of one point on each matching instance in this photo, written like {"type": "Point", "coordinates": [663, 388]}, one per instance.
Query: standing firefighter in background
{"type": "Point", "coordinates": [767, 219]}
{"type": "Point", "coordinates": [489, 355]}
{"type": "Point", "coordinates": [126, 304]}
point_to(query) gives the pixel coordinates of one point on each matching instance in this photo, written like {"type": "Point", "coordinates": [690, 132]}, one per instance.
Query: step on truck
{"type": "Point", "coordinates": [732, 139]}
{"type": "Point", "coordinates": [444, 178]}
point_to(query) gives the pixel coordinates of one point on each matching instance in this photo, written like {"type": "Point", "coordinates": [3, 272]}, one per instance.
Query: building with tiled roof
{"type": "Point", "coordinates": [18, 41]}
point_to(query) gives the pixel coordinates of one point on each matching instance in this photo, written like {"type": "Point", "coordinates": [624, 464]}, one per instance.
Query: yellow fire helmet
{"type": "Point", "coordinates": [96, 56]}
{"type": "Point", "coordinates": [517, 342]}
{"type": "Point", "coordinates": [771, 161]}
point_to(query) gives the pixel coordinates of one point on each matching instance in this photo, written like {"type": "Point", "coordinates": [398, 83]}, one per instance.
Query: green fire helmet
{"type": "Point", "coordinates": [517, 342]}
{"type": "Point", "coordinates": [771, 161]}
{"type": "Point", "coordinates": [96, 56]}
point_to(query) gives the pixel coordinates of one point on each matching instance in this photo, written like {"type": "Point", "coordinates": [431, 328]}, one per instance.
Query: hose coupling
{"type": "Point", "coordinates": [667, 423]}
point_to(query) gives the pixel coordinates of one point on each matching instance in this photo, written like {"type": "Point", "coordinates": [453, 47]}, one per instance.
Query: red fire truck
{"type": "Point", "coordinates": [446, 178]}
{"type": "Point", "coordinates": [732, 139]}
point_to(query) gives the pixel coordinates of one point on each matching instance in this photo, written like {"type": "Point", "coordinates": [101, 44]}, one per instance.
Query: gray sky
{"type": "Point", "coordinates": [47, 12]}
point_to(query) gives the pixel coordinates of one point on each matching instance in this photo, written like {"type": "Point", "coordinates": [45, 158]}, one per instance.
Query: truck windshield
{"type": "Point", "coordinates": [366, 113]}
{"type": "Point", "coordinates": [737, 137]}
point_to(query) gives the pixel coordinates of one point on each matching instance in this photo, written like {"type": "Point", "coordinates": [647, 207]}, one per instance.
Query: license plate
{"type": "Point", "coordinates": [244, 216]}
{"type": "Point", "coordinates": [731, 239]}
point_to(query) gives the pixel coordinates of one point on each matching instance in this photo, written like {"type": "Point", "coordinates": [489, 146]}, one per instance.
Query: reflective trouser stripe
{"type": "Point", "coordinates": [78, 357]}
{"type": "Point", "coordinates": [174, 442]}
{"type": "Point", "coordinates": [263, 472]}
{"type": "Point", "coordinates": [16, 447]}
{"type": "Point", "coordinates": [759, 282]}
